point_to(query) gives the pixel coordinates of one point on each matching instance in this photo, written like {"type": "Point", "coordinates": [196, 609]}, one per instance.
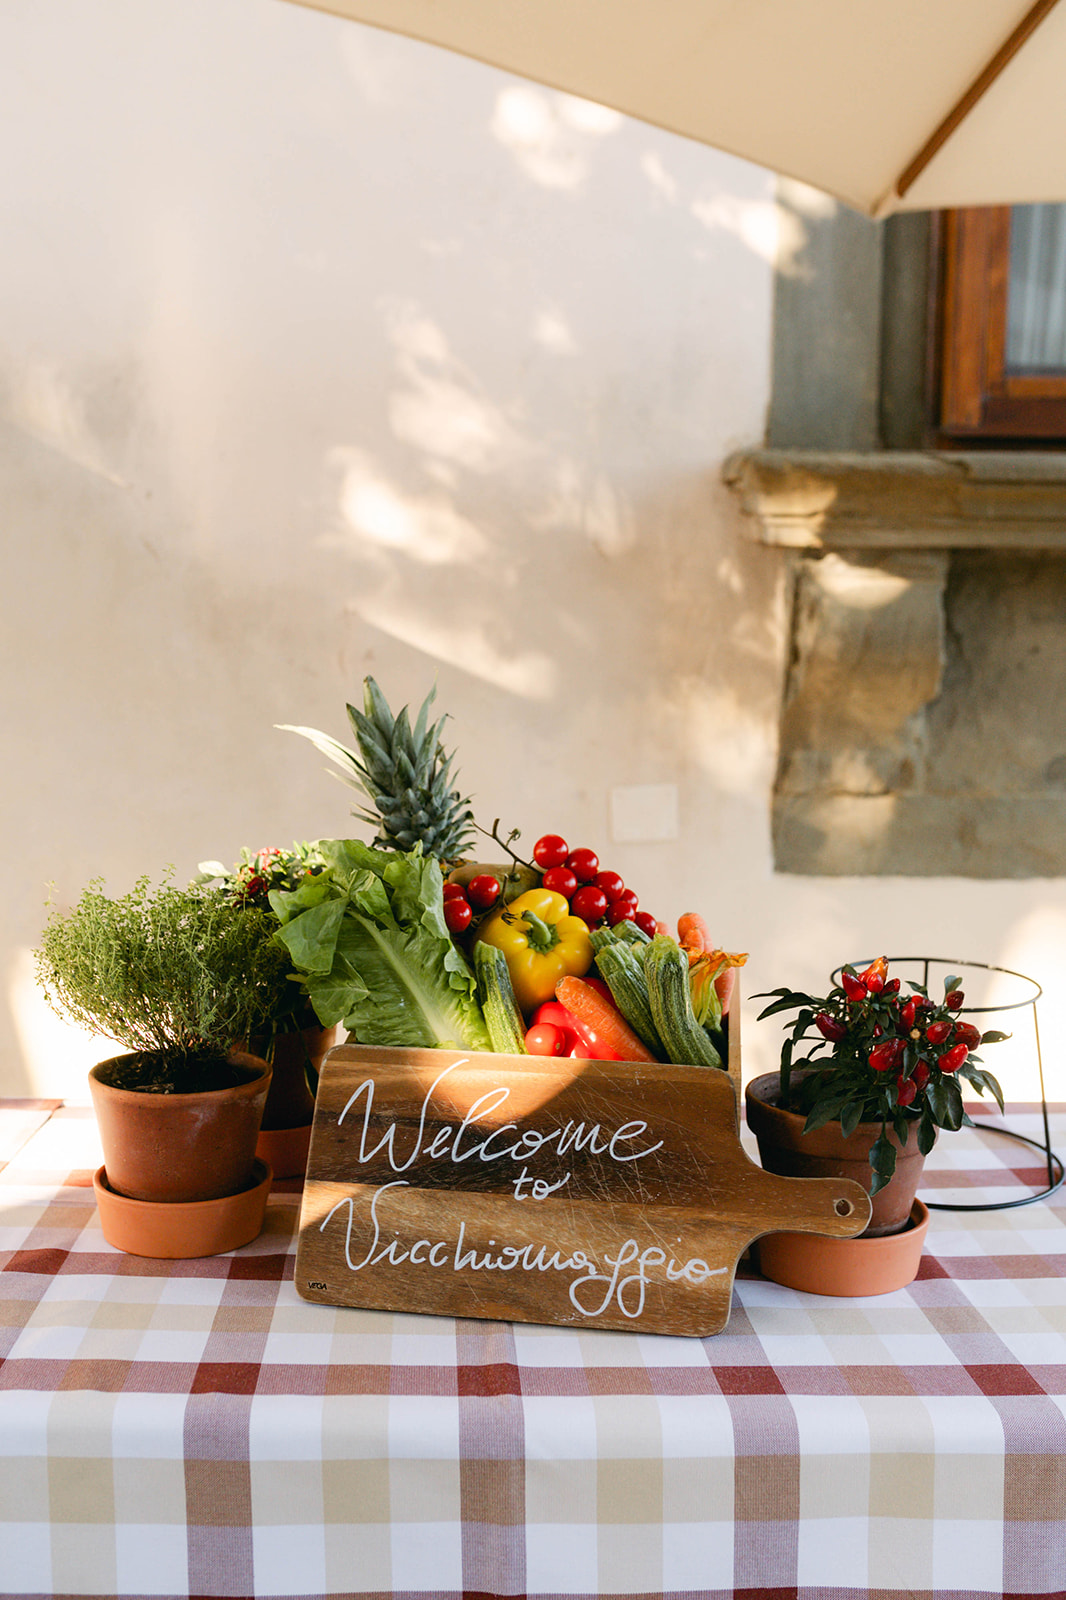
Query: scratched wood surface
{"type": "Point", "coordinates": [583, 1193]}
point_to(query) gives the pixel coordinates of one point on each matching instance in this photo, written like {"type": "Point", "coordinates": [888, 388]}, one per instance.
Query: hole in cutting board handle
{"type": "Point", "coordinates": [843, 1208]}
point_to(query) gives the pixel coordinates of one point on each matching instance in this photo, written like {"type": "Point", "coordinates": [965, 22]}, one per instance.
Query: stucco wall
{"type": "Point", "coordinates": [322, 352]}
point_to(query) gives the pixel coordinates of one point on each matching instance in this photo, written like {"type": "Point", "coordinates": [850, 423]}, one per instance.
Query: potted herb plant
{"type": "Point", "coordinates": [182, 978]}
{"type": "Point", "coordinates": [292, 1039]}
{"type": "Point", "coordinates": [868, 1077]}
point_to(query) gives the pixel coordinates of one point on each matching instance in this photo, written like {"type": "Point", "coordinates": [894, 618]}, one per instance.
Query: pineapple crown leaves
{"type": "Point", "coordinates": [405, 772]}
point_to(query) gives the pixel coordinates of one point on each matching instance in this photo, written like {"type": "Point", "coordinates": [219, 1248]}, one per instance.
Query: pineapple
{"type": "Point", "coordinates": [406, 774]}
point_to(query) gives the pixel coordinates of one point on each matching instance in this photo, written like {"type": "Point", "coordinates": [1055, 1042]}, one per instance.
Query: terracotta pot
{"type": "Point", "coordinates": [178, 1230]}
{"type": "Point", "coordinates": [784, 1148]}
{"type": "Point", "coordinates": [846, 1267]}
{"type": "Point", "coordinates": [285, 1136]}
{"type": "Point", "coordinates": [180, 1147]}
{"type": "Point", "coordinates": [290, 1103]}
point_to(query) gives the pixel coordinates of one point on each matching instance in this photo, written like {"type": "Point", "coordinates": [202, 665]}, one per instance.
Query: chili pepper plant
{"type": "Point", "coordinates": [867, 1052]}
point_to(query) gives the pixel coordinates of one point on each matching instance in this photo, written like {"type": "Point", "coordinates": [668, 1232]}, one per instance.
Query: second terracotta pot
{"type": "Point", "coordinates": [785, 1149]}
{"type": "Point", "coordinates": [285, 1137]}
{"type": "Point", "coordinates": [290, 1103]}
{"type": "Point", "coordinates": [180, 1146]}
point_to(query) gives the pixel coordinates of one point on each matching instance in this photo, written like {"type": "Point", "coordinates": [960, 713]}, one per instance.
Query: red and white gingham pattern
{"type": "Point", "coordinates": [195, 1428]}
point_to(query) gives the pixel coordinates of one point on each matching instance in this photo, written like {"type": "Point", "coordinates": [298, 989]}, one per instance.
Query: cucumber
{"type": "Point", "coordinates": [620, 967]}
{"type": "Point", "coordinates": [504, 1021]}
{"type": "Point", "coordinates": [624, 932]}
{"type": "Point", "coordinates": [666, 972]}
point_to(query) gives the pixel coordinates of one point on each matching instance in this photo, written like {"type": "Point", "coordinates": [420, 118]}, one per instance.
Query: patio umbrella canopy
{"type": "Point", "coordinates": [887, 104]}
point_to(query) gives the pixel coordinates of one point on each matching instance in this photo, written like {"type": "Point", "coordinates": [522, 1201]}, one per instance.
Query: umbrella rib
{"type": "Point", "coordinates": [965, 104]}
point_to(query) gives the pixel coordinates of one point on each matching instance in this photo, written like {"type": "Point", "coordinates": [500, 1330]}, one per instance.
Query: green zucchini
{"type": "Point", "coordinates": [504, 1021]}
{"type": "Point", "coordinates": [620, 967]}
{"type": "Point", "coordinates": [666, 972]}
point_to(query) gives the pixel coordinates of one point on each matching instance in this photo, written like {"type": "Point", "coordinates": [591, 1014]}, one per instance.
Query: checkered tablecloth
{"type": "Point", "coordinates": [196, 1429]}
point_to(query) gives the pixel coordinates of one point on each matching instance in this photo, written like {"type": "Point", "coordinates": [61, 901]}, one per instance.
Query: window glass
{"type": "Point", "coordinates": [1036, 295]}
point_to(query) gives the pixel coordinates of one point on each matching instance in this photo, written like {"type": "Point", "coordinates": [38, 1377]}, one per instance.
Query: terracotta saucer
{"type": "Point", "coordinates": [848, 1267]}
{"type": "Point", "coordinates": [177, 1230]}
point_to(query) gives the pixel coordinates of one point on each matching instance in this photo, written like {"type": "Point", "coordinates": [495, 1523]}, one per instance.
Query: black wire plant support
{"type": "Point", "coordinates": [1053, 1160]}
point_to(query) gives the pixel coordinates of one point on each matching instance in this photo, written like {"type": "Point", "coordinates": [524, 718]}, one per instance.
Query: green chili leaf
{"type": "Point", "coordinates": [945, 1101]}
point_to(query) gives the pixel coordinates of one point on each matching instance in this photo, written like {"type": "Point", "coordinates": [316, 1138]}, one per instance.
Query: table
{"type": "Point", "coordinates": [195, 1428]}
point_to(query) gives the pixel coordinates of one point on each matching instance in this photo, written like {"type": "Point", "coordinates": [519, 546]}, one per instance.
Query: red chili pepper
{"type": "Point", "coordinates": [954, 1000]}
{"type": "Point", "coordinates": [830, 1027]}
{"type": "Point", "coordinates": [953, 1059]}
{"type": "Point", "coordinates": [875, 975]}
{"type": "Point", "coordinates": [937, 1032]}
{"type": "Point", "coordinates": [967, 1034]}
{"type": "Point", "coordinates": [906, 1089]}
{"type": "Point", "coordinates": [907, 1013]}
{"type": "Point", "coordinates": [920, 1075]}
{"type": "Point", "coordinates": [886, 1055]}
{"type": "Point", "coordinates": [854, 988]}
{"type": "Point", "coordinates": [892, 986]}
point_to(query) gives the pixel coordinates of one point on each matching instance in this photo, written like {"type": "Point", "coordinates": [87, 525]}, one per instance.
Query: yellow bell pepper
{"type": "Point", "coordinates": [541, 943]}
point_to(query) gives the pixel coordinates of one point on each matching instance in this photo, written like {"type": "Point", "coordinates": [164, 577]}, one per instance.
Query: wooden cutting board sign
{"type": "Point", "coordinates": [585, 1193]}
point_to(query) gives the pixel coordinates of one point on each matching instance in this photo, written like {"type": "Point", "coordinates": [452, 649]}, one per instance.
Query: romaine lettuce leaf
{"type": "Point", "coordinates": [376, 954]}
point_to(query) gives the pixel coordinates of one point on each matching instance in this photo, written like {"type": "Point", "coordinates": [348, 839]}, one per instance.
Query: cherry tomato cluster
{"type": "Point", "coordinates": [460, 903]}
{"type": "Point", "coordinates": [596, 896]}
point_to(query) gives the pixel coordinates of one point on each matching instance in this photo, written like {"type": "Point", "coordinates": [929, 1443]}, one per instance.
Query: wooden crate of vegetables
{"type": "Point", "coordinates": [539, 1118]}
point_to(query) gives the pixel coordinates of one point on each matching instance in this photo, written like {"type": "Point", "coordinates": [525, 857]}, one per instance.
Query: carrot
{"type": "Point", "coordinates": [692, 935]}
{"type": "Point", "coordinates": [600, 1016]}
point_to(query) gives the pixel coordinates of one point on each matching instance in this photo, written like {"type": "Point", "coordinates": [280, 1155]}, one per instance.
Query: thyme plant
{"type": "Point", "coordinates": [181, 975]}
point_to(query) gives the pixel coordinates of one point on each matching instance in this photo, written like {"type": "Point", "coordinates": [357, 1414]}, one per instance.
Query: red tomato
{"type": "Point", "coordinates": [589, 903]}
{"type": "Point", "coordinates": [457, 914]}
{"type": "Point", "coordinates": [646, 923]}
{"type": "Point", "coordinates": [560, 880]}
{"type": "Point", "coordinates": [454, 891]}
{"type": "Point", "coordinates": [611, 883]}
{"type": "Point", "coordinates": [553, 1014]}
{"type": "Point", "coordinates": [584, 864]}
{"type": "Point", "coordinates": [483, 891]}
{"type": "Point", "coordinates": [544, 1039]}
{"type": "Point", "coordinates": [622, 911]}
{"type": "Point", "coordinates": [550, 851]}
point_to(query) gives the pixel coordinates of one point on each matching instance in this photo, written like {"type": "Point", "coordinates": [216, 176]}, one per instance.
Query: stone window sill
{"type": "Point", "coordinates": [923, 720]}
{"type": "Point", "coordinates": [902, 500]}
